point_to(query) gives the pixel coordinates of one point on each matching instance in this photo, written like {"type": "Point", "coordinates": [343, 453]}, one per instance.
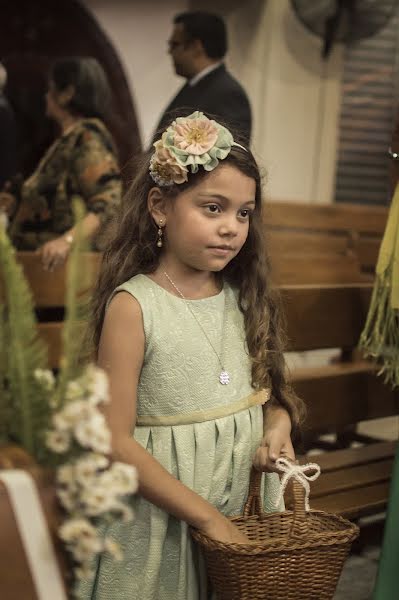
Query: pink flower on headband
{"type": "Point", "coordinates": [164, 168]}
{"type": "Point", "coordinates": [188, 144]}
{"type": "Point", "coordinates": [195, 136]}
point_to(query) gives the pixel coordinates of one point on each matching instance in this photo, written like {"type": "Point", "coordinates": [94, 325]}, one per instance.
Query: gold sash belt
{"type": "Point", "coordinates": [200, 416]}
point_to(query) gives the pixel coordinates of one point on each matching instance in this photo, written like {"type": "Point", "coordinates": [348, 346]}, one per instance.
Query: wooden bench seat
{"type": "Point", "coordinates": [355, 503]}
{"type": "Point", "coordinates": [355, 481]}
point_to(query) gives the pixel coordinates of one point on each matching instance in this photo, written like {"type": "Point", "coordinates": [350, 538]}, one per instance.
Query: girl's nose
{"type": "Point", "coordinates": [228, 227]}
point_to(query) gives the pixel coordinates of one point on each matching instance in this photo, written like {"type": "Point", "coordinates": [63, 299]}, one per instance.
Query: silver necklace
{"type": "Point", "coordinates": [224, 376]}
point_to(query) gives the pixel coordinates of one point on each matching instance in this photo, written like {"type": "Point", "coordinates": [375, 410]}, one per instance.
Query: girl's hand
{"type": "Point", "coordinates": [223, 530]}
{"type": "Point", "coordinates": [54, 253]}
{"type": "Point", "coordinates": [276, 442]}
{"type": "Point", "coordinates": [274, 446]}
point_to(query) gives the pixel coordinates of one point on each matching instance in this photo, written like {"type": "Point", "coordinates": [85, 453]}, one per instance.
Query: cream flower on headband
{"type": "Point", "coordinates": [164, 168]}
{"type": "Point", "coordinates": [186, 144]}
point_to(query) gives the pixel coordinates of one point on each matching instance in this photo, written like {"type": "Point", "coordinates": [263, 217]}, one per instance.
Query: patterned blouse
{"type": "Point", "coordinates": [81, 163]}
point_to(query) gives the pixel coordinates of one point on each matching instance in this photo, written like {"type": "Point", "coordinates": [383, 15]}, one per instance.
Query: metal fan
{"type": "Point", "coordinates": [343, 20]}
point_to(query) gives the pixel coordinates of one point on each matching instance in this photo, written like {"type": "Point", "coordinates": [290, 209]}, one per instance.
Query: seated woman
{"type": "Point", "coordinates": [81, 163]}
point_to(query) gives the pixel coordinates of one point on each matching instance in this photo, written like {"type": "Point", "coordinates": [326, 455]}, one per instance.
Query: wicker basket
{"type": "Point", "coordinates": [295, 555]}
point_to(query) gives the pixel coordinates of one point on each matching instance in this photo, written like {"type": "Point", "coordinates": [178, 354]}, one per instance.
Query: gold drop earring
{"type": "Point", "coordinates": [160, 234]}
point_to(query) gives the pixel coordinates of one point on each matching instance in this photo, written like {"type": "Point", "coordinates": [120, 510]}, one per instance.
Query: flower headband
{"type": "Point", "coordinates": [186, 144]}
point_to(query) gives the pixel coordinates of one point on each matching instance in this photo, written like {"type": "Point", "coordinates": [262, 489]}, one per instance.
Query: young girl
{"type": "Point", "coordinates": [187, 328]}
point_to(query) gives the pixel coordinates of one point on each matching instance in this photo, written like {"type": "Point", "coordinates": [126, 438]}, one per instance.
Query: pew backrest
{"type": "Point", "coordinates": [341, 230]}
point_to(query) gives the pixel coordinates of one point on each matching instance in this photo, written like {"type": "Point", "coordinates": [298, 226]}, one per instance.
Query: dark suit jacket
{"type": "Point", "coordinates": [219, 96]}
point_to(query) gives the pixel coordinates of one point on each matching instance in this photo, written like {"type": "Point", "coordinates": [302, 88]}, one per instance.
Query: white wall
{"type": "Point", "coordinates": [295, 98]}
{"type": "Point", "coordinates": [294, 95]}
{"type": "Point", "coordinates": [139, 31]}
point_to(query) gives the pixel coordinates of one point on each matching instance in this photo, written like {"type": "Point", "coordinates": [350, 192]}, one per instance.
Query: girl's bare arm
{"type": "Point", "coordinates": [276, 440]}
{"type": "Point", "coordinates": [121, 355]}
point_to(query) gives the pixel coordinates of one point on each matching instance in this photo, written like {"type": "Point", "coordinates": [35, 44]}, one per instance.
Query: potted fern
{"type": "Point", "coordinates": [52, 425]}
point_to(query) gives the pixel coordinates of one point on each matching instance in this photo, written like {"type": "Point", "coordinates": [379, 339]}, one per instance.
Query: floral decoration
{"type": "Point", "coordinates": [57, 420]}
{"type": "Point", "coordinates": [188, 143]}
{"type": "Point", "coordinates": [90, 487]}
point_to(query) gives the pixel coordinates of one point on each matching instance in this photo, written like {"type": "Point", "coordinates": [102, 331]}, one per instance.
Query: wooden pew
{"type": "Point", "coordinates": [354, 480]}
{"type": "Point", "coordinates": [319, 316]}
{"type": "Point", "coordinates": [48, 289]}
{"type": "Point", "coordinates": [340, 230]}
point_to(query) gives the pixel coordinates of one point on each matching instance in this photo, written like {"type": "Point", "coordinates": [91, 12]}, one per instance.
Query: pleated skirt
{"type": "Point", "coordinates": [161, 562]}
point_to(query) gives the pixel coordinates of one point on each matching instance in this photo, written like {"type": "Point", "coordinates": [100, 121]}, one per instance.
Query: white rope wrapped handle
{"type": "Point", "coordinates": [299, 473]}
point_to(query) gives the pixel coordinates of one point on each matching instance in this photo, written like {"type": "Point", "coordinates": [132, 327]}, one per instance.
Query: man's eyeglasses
{"type": "Point", "coordinates": [173, 44]}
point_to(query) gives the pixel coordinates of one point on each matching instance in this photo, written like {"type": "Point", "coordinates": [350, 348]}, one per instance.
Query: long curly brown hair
{"type": "Point", "coordinates": [133, 250]}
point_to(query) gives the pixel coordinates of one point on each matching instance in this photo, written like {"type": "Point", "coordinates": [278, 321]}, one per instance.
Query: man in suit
{"type": "Point", "coordinates": [197, 46]}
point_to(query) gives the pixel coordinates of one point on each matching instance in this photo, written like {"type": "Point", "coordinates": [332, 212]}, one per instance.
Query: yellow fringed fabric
{"type": "Point", "coordinates": [380, 337]}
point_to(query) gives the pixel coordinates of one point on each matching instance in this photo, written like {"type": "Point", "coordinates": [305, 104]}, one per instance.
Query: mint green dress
{"type": "Point", "coordinates": [179, 400]}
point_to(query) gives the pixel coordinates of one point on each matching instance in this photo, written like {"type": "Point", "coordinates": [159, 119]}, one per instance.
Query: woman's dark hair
{"type": "Point", "coordinates": [92, 93]}
{"type": "Point", "coordinates": [207, 28]}
{"type": "Point", "coordinates": [133, 250]}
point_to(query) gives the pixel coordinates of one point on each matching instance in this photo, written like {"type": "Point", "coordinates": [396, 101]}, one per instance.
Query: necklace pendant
{"type": "Point", "coordinates": [224, 377]}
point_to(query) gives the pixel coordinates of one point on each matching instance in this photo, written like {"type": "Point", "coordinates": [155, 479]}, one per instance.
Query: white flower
{"type": "Point", "coordinates": [46, 378]}
{"type": "Point", "coordinates": [125, 511]}
{"type": "Point", "coordinates": [66, 475]}
{"type": "Point", "coordinates": [74, 529]}
{"type": "Point", "coordinates": [93, 433]}
{"type": "Point", "coordinates": [113, 548]}
{"type": "Point", "coordinates": [60, 423]}
{"type": "Point", "coordinates": [53, 402]}
{"type": "Point", "coordinates": [85, 571]}
{"type": "Point", "coordinates": [81, 538]}
{"type": "Point", "coordinates": [58, 441]}
{"type": "Point", "coordinates": [68, 499]}
{"type": "Point", "coordinates": [84, 549]}
{"type": "Point", "coordinates": [88, 485]}
{"type": "Point", "coordinates": [74, 391]}
{"type": "Point", "coordinates": [122, 478]}
{"type": "Point", "coordinates": [97, 499]}
{"type": "Point", "coordinates": [89, 465]}
{"type": "Point", "coordinates": [73, 413]}
{"type": "Point", "coordinates": [97, 386]}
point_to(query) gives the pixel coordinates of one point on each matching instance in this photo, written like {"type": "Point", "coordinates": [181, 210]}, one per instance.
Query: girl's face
{"type": "Point", "coordinates": [207, 225]}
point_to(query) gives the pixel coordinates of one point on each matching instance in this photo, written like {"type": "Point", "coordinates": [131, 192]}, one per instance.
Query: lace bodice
{"type": "Point", "coordinates": [181, 371]}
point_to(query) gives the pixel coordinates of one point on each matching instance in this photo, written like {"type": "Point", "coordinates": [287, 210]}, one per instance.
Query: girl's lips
{"type": "Point", "coordinates": [221, 250]}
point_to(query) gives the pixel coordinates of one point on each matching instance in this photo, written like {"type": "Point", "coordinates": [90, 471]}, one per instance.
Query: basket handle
{"type": "Point", "coordinates": [253, 505]}
{"type": "Point", "coordinates": [299, 526]}
{"type": "Point", "coordinates": [300, 475]}
{"type": "Point", "coordinates": [300, 491]}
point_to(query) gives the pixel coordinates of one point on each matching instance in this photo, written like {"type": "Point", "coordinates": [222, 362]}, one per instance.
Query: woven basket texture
{"type": "Point", "coordinates": [293, 555]}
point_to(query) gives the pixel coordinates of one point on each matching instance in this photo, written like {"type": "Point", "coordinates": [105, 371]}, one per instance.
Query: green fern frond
{"type": "Point", "coordinates": [5, 397]}
{"type": "Point", "coordinates": [379, 340]}
{"type": "Point", "coordinates": [26, 352]}
{"type": "Point", "coordinates": [78, 282]}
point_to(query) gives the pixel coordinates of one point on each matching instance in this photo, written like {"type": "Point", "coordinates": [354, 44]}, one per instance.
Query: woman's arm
{"type": "Point", "coordinates": [121, 355]}
{"type": "Point", "coordinates": [54, 253]}
{"type": "Point", "coordinates": [95, 170]}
